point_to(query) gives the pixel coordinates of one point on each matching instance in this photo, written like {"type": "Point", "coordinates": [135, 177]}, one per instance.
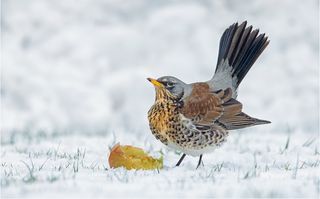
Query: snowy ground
{"type": "Point", "coordinates": [73, 84]}
{"type": "Point", "coordinates": [268, 165]}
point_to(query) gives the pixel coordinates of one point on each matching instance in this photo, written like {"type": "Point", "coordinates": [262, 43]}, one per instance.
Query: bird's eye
{"type": "Point", "coordinates": [169, 84]}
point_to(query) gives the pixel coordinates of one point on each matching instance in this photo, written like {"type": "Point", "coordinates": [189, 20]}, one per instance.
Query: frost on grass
{"type": "Point", "coordinates": [247, 166]}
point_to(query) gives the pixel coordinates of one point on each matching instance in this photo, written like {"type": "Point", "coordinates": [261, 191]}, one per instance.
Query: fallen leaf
{"type": "Point", "coordinates": [132, 157]}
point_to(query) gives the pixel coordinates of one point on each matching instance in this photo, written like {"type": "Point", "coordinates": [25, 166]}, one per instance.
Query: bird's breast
{"type": "Point", "coordinates": [162, 117]}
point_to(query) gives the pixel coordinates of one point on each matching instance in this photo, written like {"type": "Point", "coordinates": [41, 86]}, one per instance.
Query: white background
{"type": "Point", "coordinates": [74, 78]}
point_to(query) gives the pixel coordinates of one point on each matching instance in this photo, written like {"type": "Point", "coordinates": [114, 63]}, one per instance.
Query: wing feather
{"type": "Point", "coordinates": [204, 106]}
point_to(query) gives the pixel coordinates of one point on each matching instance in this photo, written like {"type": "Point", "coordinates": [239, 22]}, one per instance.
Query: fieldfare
{"type": "Point", "coordinates": [195, 118]}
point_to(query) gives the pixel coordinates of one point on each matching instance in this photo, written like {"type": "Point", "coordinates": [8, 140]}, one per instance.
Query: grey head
{"type": "Point", "coordinates": [175, 86]}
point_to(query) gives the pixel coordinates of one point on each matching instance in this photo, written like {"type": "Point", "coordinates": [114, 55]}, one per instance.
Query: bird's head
{"type": "Point", "coordinates": [168, 87]}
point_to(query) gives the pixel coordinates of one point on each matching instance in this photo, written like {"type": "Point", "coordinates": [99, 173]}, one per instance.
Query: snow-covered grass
{"type": "Point", "coordinates": [73, 84]}
{"type": "Point", "coordinates": [250, 164]}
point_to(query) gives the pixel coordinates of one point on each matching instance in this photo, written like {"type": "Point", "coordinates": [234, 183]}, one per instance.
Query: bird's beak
{"type": "Point", "coordinates": [154, 82]}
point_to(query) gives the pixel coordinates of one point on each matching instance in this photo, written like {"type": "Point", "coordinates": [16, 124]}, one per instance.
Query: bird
{"type": "Point", "coordinates": [196, 118]}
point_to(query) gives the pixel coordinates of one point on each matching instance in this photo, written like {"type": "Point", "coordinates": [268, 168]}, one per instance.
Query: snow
{"type": "Point", "coordinates": [74, 84]}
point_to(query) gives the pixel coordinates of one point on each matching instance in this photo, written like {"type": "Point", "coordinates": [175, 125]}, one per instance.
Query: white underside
{"type": "Point", "coordinates": [192, 152]}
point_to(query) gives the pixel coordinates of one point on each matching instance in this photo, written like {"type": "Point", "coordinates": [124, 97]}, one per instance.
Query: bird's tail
{"type": "Point", "coordinates": [240, 46]}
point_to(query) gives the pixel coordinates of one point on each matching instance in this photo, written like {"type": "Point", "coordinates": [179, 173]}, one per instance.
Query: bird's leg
{"type": "Point", "coordinates": [179, 162]}
{"type": "Point", "coordinates": [200, 161]}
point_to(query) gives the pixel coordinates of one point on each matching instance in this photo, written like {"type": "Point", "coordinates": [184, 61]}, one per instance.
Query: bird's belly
{"type": "Point", "coordinates": [197, 144]}
{"type": "Point", "coordinates": [193, 151]}
{"type": "Point", "coordinates": [194, 139]}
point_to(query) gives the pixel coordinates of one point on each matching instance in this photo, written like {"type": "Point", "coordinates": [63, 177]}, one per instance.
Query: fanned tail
{"type": "Point", "coordinates": [240, 47]}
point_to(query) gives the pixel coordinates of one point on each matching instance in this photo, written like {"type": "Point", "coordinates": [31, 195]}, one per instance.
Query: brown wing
{"type": "Point", "coordinates": [205, 107]}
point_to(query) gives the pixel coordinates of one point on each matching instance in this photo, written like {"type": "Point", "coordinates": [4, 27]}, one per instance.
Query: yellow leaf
{"type": "Point", "coordinates": [132, 157]}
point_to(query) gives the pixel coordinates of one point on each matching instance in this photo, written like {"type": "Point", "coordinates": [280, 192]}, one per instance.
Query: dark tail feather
{"type": "Point", "coordinates": [241, 47]}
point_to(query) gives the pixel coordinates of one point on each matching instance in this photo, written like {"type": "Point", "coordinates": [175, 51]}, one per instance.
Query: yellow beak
{"type": "Point", "coordinates": [154, 82]}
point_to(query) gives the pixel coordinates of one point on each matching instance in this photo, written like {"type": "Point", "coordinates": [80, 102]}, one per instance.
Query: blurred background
{"type": "Point", "coordinates": [80, 66]}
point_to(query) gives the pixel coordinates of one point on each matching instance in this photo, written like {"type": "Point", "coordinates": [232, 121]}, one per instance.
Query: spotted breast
{"type": "Point", "coordinates": [171, 127]}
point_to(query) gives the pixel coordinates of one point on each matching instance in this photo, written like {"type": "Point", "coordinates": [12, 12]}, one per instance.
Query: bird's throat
{"type": "Point", "coordinates": [163, 94]}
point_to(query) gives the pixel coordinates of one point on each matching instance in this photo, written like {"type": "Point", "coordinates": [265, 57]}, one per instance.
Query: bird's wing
{"type": "Point", "coordinates": [205, 107]}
